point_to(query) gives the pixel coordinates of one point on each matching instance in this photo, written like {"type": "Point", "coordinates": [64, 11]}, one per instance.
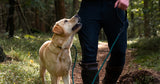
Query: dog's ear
{"type": "Point", "coordinates": [58, 29]}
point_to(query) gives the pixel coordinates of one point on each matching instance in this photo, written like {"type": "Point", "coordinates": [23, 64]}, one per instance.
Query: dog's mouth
{"type": "Point", "coordinates": [75, 27]}
{"type": "Point", "coordinates": [78, 25]}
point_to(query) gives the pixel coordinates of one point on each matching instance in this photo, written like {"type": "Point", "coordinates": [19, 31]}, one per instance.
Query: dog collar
{"type": "Point", "coordinates": [60, 47]}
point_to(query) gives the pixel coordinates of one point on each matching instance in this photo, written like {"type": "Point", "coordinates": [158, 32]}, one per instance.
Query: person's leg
{"type": "Point", "coordinates": [88, 36]}
{"type": "Point", "coordinates": [117, 60]}
{"type": "Point", "coordinates": [112, 27]}
{"type": "Point", "coordinates": [118, 52]}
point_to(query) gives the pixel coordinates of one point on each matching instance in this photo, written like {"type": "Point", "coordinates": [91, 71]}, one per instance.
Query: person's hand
{"type": "Point", "coordinates": [122, 4]}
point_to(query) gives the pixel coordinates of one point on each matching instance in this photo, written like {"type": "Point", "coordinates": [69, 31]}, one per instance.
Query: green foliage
{"type": "Point", "coordinates": [41, 13]}
{"type": "Point", "coordinates": [39, 4]}
{"type": "Point", "coordinates": [77, 44]}
{"type": "Point", "coordinates": [136, 13]}
{"type": "Point", "coordinates": [147, 52]}
{"type": "Point", "coordinates": [24, 66]}
{"type": "Point", "coordinates": [144, 80]}
{"type": "Point", "coordinates": [148, 44]}
{"type": "Point", "coordinates": [19, 73]}
{"type": "Point", "coordinates": [150, 61]}
{"type": "Point", "coordinates": [3, 1]}
{"type": "Point", "coordinates": [22, 45]}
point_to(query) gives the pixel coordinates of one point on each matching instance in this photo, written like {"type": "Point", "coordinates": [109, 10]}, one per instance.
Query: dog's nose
{"type": "Point", "coordinates": [78, 17]}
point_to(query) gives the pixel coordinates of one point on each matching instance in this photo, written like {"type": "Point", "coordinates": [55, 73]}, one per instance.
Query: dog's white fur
{"type": "Point", "coordinates": [55, 55]}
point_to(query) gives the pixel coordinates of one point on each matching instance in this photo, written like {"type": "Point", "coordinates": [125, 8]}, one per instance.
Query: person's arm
{"type": "Point", "coordinates": [122, 4]}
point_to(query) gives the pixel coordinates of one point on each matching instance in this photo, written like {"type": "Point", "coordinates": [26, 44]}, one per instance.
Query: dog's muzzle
{"type": "Point", "coordinates": [78, 25]}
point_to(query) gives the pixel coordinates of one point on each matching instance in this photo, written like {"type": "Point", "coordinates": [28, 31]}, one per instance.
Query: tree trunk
{"type": "Point", "coordinates": [43, 28]}
{"type": "Point", "coordinates": [75, 6]}
{"type": "Point", "coordinates": [43, 25]}
{"type": "Point", "coordinates": [3, 18]}
{"type": "Point", "coordinates": [60, 9]}
{"type": "Point", "coordinates": [133, 32]}
{"type": "Point", "coordinates": [153, 19]}
{"type": "Point", "coordinates": [140, 28]}
{"type": "Point", "coordinates": [2, 55]}
{"type": "Point", "coordinates": [159, 5]}
{"type": "Point", "coordinates": [10, 23]}
{"type": "Point", "coordinates": [27, 28]}
{"type": "Point", "coordinates": [37, 21]}
{"type": "Point", "coordinates": [147, 29]}
{"type": "Point", "coordinates": [159, 11]}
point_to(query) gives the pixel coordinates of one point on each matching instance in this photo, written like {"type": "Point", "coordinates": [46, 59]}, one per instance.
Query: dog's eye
{"type": "Point", "coordinates": [65, 21]}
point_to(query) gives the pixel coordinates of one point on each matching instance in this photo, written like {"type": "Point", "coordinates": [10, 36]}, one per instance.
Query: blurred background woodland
{"type": "Point", "coordinates": [29, 16]}
{"type": "Point", "coordinates": [26, 24]}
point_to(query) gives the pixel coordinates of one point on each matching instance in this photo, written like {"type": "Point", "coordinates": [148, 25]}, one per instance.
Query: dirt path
{"type": "Point", "coordinates": [102, 53]}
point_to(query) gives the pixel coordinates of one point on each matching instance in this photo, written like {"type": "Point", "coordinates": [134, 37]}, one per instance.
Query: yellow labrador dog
{"type": "Point", "coordinates": [55, 55]}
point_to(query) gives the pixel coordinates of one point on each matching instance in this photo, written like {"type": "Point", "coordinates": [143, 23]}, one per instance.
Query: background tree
{"type": "Point", "coordinates": [10, 20]}
{"type": "Point", "coordinates": [132, 20]}
{"type": "Point", "coordinates": [60, 9]}
{"type": "Point", "coordinates": [21, 15]}
{"type": "Point", "coordinates": [2, 55]}
{"type": "Point", "coordinates": [147, 30]}
{"type": "Point", "coordinates": [39, 15]}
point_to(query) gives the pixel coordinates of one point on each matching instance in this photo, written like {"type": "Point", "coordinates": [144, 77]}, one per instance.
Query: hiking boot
{"type": "Point", "coordinates": [89, 70]}
{"type": "Point", "coordinates": [112, 74]}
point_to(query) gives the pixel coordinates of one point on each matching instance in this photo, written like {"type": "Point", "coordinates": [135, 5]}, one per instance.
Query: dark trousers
{"type": "Point", "coordinates": [97, 14]}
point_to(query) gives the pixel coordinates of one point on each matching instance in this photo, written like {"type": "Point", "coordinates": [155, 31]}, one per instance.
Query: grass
{"type": "Point", "coordinates": [147, 52]}
{"type": "Point", "coordinates": [24, 66]}
{"type": "Point", "coordinates": [19, 73]}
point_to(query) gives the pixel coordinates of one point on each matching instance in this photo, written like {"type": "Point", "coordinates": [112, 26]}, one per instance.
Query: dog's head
{"type": "Point", "coordinates": [67, 26]}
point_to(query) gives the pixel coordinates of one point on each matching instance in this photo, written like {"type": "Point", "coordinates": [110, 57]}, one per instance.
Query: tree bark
{"type": "Point", "coordinates": [133, 32]}
{"type": "Point", "coordinates": [37, 21]}
{"type": "Point", "coordinates": [10, 23]}
{"type": "Point", "coordinates": [60, 9]}
{"type": "Point", "coordinates": [140, 29]}
{"type": "Point", "coordinates": [159, 10]}
{"type": "Point", "coordinates": [147, 29]}
{"type": "Point", "coordinates": [27, 28]}
{"type": "Point", "coordinates": [159, 5]}
{"type": "Point", "coordinates": [154, 30]}
{"type": "Point", "coordinates": [1, 19]}
{"type": "Point", "coordinates": [43, 25]}
{"type": "Point", "coordinates": [2, 55]}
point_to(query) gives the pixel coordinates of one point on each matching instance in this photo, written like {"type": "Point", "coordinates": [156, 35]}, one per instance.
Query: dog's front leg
{"type": "Point", "coordinates": [42, 73]}
{"type": "Point", "coordinates": [54, 80]}
{"type": "Point", "coordinates": [66, 79]}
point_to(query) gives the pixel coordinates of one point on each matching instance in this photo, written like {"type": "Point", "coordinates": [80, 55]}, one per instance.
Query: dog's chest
{"type": "Point", "coordinates": [60, 64]}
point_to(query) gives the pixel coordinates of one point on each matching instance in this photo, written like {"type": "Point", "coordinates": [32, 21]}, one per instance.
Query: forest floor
{"type": "Point", "coordinates": [130, 72]}
{"type": "Point", "coordinates": [18, 61]}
